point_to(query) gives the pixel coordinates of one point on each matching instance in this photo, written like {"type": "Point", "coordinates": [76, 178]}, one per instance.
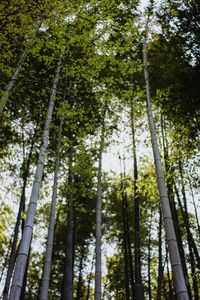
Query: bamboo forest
{"type": "Point", "coordinates": [99, 150]}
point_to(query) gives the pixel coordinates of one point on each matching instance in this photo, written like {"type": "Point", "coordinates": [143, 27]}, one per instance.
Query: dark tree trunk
{"type": "Point", "coordinates": [149, 259]}
{"type": "Point", "coordinates": [98, 267]}
{"type": "Point", "coordinates": [139, 294]}
{"type": "Point", "coordinates": [127, 224]}
{"type": "Point", "coordinates": [125, 242]}
{"type": "Point", "coordinates": [80, 277]}
{"type": "Point", "coordinates": [160, 266]}
{"type": "Point", "coordinates": [68, 273]}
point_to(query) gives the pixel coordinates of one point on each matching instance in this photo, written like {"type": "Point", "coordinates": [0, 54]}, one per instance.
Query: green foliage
{"type": "Point", "coordinates": [101, 69]}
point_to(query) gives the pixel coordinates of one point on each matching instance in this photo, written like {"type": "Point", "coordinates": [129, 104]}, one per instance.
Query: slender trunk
{"type": "Point", "coordinates": [160, 267]}
{"type": "Point", "coordinates": [125, 243]}
{"type": "Point", "coordinates": [13, 252]}
{"type": "Point", "coordinates": [129, 245]}
{"type": "Point", "coordinates": [90, 278]}
{"type": "Point", "coordinates": [12, 81]}
{"type": "Point", "coordinates": [98, 216]}
{"type": "Point", "coordinates": [149, 259]}
{"type": "Point", "coordinates": [80, 277]}
{"type": "Point", "coordinates": [177, 271]}
{"type": "Point", "coordinates": [28, 228]}
{"type": "Point", "coordinates": [68, 274]}
{"type": "Point", "coordinates": [126, 212]}
{"type": "Point", "coordinates": [14, 77]}
{"type": "Point", "coordinates": [48, 255]}
{"type": "Point", "coordinates": [139, 294]}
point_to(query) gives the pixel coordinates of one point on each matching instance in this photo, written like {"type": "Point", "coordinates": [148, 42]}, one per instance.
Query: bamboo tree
{"type": "Point", "coordinates": [15, 75]}
{"type": "Point", "coordinates": [138, 278]}
{"type": "Point", "coordinates": [178, 277]}
{"type": "Point", "coordinates": [23, 291]}
{"type": "Point", "coordinates": [127, 229]}
{"type": "Point", "coordinates": [173, 204]}
{"type": "Point", "coordinates": [69, 254]}
{"type": "Point", "coordinates": [125, 242]}
{"type": "Point", "coordinates": [12, 81]}
{"type": "Point", "coordinates": [50, 236]}
{"type": "Point", "coordinates": [13, 252]}
{"type": "Point", "coordinates": [149, 258]}
{"type": "Point", "coordinates": [160, 267]}
{"type": "Point", "coordinates": [98, 272]}
{"type": "Point", "coordinates": [80, 277]}
{"type": "Point", "coordinates": [28, 228]}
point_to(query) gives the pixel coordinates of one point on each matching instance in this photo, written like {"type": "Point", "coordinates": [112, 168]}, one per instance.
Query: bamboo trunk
{"type": "Point", "coordinates": [149, 259]}
{"type": "Point", "coordinates": [98, 271]}
{"type": "Point", "coordinates": [49, 248]}
{"type": "Point", "coordinates": [80, 277]}
{"type": "Point", "coordinates": [13, 252]}
{"type": "Point", "coordinates": [139, 294]}
{"type": "Point", "coordinates": [14, 77]}
{"type": "Point", "coordinates": [23, 291]}
{"type": "Point", "coordinates": [127, 231]}
{"type": "Point", "coordinates": [160, 267]}
{"type": "Point", "coordinates": [125, 242]}
{"type": "Point", "coordinates": [12, 81]}
{"type": "Point", "coordinates": [178, 277]}
{"type": "Point", "coordinates": [29, 223]}
{"type": "Point", "coordinates": [173, 207]}
{"type": "Point", "coordinates": [68, 275]}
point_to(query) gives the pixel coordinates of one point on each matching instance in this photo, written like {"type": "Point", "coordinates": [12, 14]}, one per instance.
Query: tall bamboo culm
{"type": "Point", "coordinates": [49, 248]}
{"type": "Point", "coordinates": [15, 75]}
{"type": "Point", "coordinates": [98, 272]}
{"type": "Point", "coordinates": [20, 266]}
{"type": "Point", "coordinates": [177, 271]}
